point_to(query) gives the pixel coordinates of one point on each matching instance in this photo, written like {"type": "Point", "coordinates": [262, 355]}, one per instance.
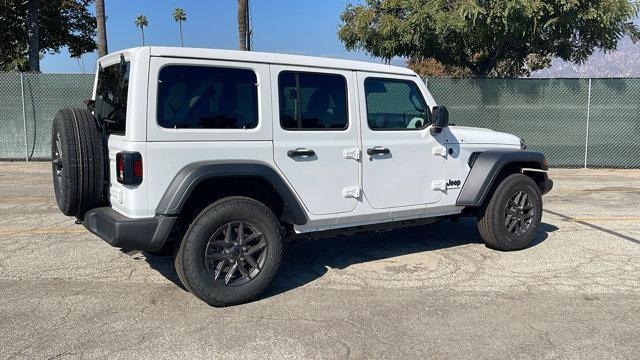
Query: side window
{"type": "Point", "coordinates": [204, 97]}
{"type": "Point", "coordinates": [395, 105]}
{"type": "Point", "coordinates": [310, 101]}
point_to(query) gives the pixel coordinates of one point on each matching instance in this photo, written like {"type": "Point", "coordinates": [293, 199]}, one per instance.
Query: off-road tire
{"type": "Point", "coordinates": [492, 219]}
{"type": "Point", "coordinates": [77, 150]}
{"type": "Point", "coordinates": [190, 262]}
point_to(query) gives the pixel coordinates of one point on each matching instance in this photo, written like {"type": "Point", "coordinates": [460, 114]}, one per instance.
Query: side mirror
{"type": "Point", "coordinates": [440, 118]}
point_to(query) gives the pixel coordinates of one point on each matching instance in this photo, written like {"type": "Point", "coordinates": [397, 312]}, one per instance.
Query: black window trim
{"type": "Point", "coordinates": [258, 100]}
{"type": "Point", "coordinates": [346, 93]}
{"type": "Point", "coordinates": [427, 110]}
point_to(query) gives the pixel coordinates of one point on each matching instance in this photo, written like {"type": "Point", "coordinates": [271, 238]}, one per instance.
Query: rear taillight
{"type": "Point", "coordinates": [129, 168]}
{"type": "Point", "coordinates": [137, 168]}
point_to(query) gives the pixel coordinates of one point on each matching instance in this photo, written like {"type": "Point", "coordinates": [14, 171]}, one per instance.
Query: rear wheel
{"type": "Point", "coordinates": [231, 252]}
{"type": "Point", "coordinates": [77, 161]}
{"type": "Point", "coordinates": [510, 219]}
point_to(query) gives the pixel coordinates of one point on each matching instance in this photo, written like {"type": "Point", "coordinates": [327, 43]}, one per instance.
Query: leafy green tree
{"type": "Point", "coordinates": [180, 16]}
{"type": "Point", "coordinates": [431, 68]}
{"type": "Point", "coordinates": [20, 64]}
{"type": "Point", "coordinates": [141, 22]}
{"type": "Point", "coordinates": [60, 23]}
{"type": "Point", "coordinates": [495, 38]}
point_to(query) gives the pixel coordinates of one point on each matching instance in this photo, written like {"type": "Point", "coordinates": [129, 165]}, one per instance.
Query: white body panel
{"type": "Point", "coordinates": [318, 180]}
{"type": "Point", "coordinates": [166, 159]}
{"type": "Point", "coordinates": [335, 187]}
{"type": "Point", "coordinates": [132, 201]}
{"type": "Point", "coordinates": [404, 177]}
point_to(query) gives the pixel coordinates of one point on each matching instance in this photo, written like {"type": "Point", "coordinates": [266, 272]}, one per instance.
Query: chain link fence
{"type": "Point", "coordinates": [575, 122]}
{"type": "Point", "coordinates": [28, 102]}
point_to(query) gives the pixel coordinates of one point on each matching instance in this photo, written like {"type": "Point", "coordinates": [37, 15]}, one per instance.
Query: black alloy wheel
{"type": "Point", "coordinates": [519, 213]}
{"type": "Point", "coordinates": [236, 253]}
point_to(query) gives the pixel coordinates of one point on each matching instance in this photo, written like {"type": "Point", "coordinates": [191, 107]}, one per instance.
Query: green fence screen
{"type": "Point", "coordinates": [28, 103]}
{"type": "Point", "coordinates": [570, 120]}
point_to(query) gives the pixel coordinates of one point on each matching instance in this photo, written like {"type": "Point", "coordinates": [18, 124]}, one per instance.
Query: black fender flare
{"type": "Point", "coordinates": [180, 188]}
{"type": "Point", "coordinates": [487, 167]}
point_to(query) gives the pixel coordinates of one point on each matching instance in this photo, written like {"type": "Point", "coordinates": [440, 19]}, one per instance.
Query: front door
{"type": "Point", "coordinates": [403, 163]}
{"type": "Point", "coordinates": [315, 136]}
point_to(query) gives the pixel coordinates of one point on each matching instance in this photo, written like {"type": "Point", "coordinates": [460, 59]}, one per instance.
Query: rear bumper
{"type": "Point", "coordinates": [147, 234]}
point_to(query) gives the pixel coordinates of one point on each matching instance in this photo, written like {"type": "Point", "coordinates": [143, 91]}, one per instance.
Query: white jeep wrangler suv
{"type": "Point", "coordinates": [225, 154]}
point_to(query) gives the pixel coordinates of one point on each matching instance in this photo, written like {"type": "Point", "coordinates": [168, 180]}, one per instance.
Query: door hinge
{"type": "Point", "coordinates": [353, 153]}
{"type": "Point", "coordinates": [440, 185]}
{"type": "Point", "coordinates": [439, 151]}
{"type": "Point", "coordinates": [351, 192]}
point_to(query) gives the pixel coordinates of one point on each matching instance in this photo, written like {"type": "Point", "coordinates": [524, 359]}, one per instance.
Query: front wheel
{"type": "Point", "coordinates": [510, 219]}
{"type": "Point", "coordinates": [231, 252]}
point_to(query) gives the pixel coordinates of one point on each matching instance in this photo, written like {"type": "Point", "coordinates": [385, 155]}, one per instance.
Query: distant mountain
{"type": "Point", "coordinates": [624, 62]}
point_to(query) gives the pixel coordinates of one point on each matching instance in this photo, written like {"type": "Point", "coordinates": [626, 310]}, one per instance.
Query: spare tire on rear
{"type": "Point", "coordinates": [78, 162]}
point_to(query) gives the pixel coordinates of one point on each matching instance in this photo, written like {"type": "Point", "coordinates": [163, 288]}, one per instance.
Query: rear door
{"type": "Point", "coordinates": [403, 161]}
{"type": "Point", "coordinates": [315, 136]}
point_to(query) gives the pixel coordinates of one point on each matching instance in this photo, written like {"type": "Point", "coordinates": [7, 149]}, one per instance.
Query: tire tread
{"type": "Point", "coordinates": [81, 188]}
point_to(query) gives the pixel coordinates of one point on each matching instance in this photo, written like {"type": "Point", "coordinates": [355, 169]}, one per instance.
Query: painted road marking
{"type": "Point", "coordinates": [611, 218]}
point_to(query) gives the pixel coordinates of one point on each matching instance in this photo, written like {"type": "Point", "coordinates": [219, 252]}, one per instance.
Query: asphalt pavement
{"type": "Point", "coordinates": [424, 292]}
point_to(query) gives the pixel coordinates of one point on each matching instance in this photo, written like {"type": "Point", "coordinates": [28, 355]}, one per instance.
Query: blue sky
{"type": "Point", "coordinates": [305, 27]}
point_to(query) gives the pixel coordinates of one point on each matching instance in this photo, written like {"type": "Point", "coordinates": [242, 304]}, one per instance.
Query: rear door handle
{"type": "Point", "coordinates": [301, 152]}
{"type": "Point", "coordinates": [378, 150]}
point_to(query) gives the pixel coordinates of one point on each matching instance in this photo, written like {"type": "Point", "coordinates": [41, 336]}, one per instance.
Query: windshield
{"type": "Point", "coordinates": [111, 97]}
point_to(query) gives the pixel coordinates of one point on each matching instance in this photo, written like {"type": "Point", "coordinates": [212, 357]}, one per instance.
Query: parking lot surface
{"type": "Point", "coordinates": [424, 292]}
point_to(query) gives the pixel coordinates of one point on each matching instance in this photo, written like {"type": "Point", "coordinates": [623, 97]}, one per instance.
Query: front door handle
{"type": "Point", "coordinates": [378, 150]}
{"type": "Point", "coordinates": [301, 152]}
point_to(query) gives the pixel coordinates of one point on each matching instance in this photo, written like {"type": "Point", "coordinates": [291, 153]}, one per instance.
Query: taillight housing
{"type": "Point", "coordinates": [129, 168]}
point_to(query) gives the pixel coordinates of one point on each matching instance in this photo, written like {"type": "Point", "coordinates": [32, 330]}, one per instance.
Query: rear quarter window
{"type": "Point", "coordinates": [202, 97]}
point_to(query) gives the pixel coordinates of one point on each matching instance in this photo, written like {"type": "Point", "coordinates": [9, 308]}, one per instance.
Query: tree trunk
{"type": "Point", "coordinates": [101, 27]}
{"type": "Point", "coordinates": [243, 22]}
{"type": "Point", "coordinates": [142, 29]}
{"type": "Point", "coordinates": [181, 38]}
{"type": "Point", "coordinates": [34, 36]}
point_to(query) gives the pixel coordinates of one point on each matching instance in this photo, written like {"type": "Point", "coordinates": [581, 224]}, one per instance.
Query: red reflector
{"type": "Point", "coordinates": [137, 168]}
{"type": "Point", "coordinates": [120, 166]}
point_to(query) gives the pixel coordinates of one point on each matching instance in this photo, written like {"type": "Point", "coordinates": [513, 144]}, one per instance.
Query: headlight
{"type": "Point", "coordinates": [523, 146]}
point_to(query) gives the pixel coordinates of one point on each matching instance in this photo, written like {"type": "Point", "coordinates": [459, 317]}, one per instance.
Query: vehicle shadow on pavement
{"type": "Point", "coordinates": [309, 259]}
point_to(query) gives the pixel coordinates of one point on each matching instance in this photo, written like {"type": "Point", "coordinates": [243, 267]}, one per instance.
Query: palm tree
{"type": "Point", "coordinates": [243, 10]}
{"type": "Point", "coordinates": [180, 16]}
{"type": "Point", "coordinates": [101, 27]}
{"type": "Point", "coordinates": [34, 35]}
{"type": "Point", "coordinates": [141, 22]}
